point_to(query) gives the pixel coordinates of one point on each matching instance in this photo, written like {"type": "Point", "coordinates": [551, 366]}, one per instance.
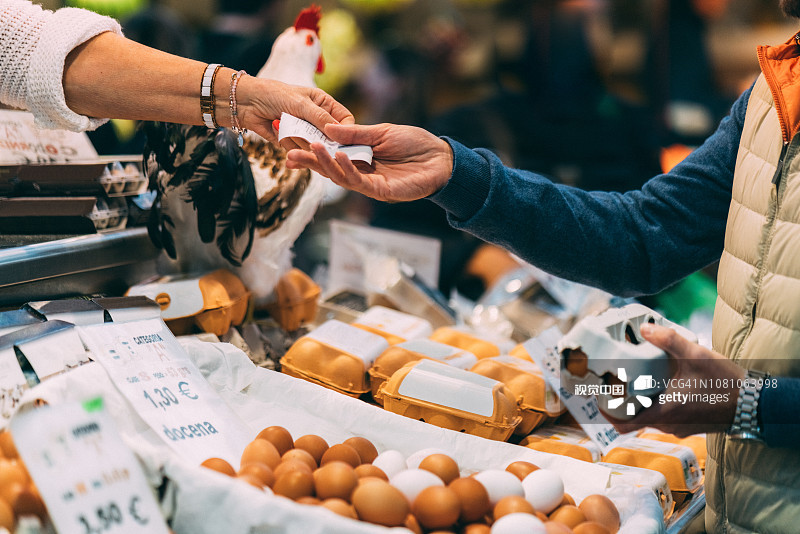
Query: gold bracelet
{"type": "Point", "coordinates": [234, 110]}
{"type": "Point", "coordinates": [207, 100]}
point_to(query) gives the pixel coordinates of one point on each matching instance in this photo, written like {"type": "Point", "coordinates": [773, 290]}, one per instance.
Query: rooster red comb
{"type": "Point", "coordinates": [308, 19]}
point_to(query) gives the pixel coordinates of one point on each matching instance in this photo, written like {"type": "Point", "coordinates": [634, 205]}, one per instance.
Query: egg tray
{"type": "Point", "coordinates": [110, 215]}
{"type": "Point", "coordinates": [465, 340]}
{"type": "Point", "coordinates": [393, 325]}
{"type": "Point", "coordinates": [677, 463]}
{"type": "Point", "coordinates": [564, 441]}
{"type": "Point", "coordinates": [401, 354]}
{"type": "Point", "coordinates": [538, 404]}
{"type": "Point", "coordinates": [452, 398]}
{"type": "Point", "coordinates": [609, 347]}
{"type": "Point", "coordinates": [647, 478]}
{"type": "Point", "coordinates": [335, 355]}
{"type": "Point", "coordinates": [213, 302]}
{"type": "Point", "coordinates": [123, 176]}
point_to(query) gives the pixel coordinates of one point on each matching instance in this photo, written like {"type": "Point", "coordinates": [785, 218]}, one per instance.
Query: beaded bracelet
{"type": "Point", "coordinates": [234, 110]}
{"type": "Point", "coordinates": [207, 100]}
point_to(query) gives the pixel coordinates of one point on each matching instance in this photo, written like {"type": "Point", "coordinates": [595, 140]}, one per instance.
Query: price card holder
{"type": "Point", "coordinates": [89, 479]}
{"type": "Point", "coordinates": [167, 390]}
{"type": "Point", "coordinates": [585, 410]}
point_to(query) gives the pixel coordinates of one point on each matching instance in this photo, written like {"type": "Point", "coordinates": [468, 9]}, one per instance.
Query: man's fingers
{"type": "Point", "coordinates": [666, 338]}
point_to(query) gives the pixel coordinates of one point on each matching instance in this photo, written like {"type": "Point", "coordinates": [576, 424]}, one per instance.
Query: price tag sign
{"type": "Point", "coordinates": [167, 390]}
{"type": "Point", "coordinates": [89, 479]}
{"type": "Point", "coordinates": [542, 349]}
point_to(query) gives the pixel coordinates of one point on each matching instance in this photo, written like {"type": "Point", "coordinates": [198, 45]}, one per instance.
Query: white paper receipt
{"type": "Point", "coordinates": [291, 126]}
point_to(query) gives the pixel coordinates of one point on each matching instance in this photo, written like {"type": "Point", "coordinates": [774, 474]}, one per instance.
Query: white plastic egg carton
{"type": "Point", "coordinates": [613, 346]}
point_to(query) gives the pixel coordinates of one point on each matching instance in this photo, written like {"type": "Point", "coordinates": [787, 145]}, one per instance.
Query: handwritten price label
{"type": "Point", "coordinates": [88, 478]}
{"type": "Point", "coordinates": [167, 390]}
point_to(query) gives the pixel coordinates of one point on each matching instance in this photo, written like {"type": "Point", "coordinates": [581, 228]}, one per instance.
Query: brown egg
{"type": "Point", "coordinates": [294, 484]}
{"type": "Point", "coordinates": [335, 480]}
{"type": "Point", "coordinates": [341, 507]}
{"type": "Point", "coordinates": [369, 470]}
{"type": "Point", "coordinates": [24, 501]}
{"type": "Point", "coordinates": [313, 444]}
{"type": "Point", "coordinates": [436, 507]}
{"type": "Point", "coordinates": [261, 471]}
{"type": "Point", "coordinates": [370, 480]}
{"type": "Point", "coordinates": [7, 447]}
{"type": "Point", "coordinates": [413, 525]}
{"type": "Point", "coordinates": [252, 480]}
{"type": "Point", "coordinates": [576, 362]}
{"type": "Point", "coordinates": [474, 498]}
{"type": "Point", "coordinates": [442, 466]}
{"type": "Point", "coordinates": [6, 516]}
{"type": "Point", "coordinates": [309, 500]}
{"type": "Point", "coordinates": [600, 509]}
{"type": "Point", "coordinates": [567, 500]}
{"type": "Point", "coordinates": [568, 514]}
{"type": "Point", "coordinates": [301, 455]}
{"type": "Point", "coordinates": [381, 503]}
{"type": "Point", "coordinates": [511, 504]}
{"type": "Point", "coordinates": [342, 453]}
{"type": "Point", "coordinates": [290, 466]}
{"type": "Point", "coordinates": [521, 469]}
{"type": "Point", "coordinates": [590, 527]}
{"type": "Point", "coordinates": [278, 436]}
{"type": "Point", "coordinates": [477, 528]}
{"type": "Point", "coordinates": [261, 451]}
{"type": "Point", "coordinates": [219, 465]}
{"type": "Point", "coordinates": [554, 527]}
{"type": "Point", "coordinates": [364, 447]}
{"type": "Point", "coordinates": [541, 516]}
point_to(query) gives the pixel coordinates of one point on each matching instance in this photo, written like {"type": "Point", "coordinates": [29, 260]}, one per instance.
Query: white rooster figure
{"type": "Point", "coordinates": [217, 209]}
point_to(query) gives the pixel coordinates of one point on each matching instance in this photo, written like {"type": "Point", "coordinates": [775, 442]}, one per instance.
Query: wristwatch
{"type": "Point", "coordinates": [745, 422]}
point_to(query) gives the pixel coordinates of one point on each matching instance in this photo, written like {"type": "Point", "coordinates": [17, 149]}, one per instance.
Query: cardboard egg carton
{"type": "Point", "coordinates": [212, 302]}
{"type": "Point", "coordinates": [537, 402]}
{"type": "Point", "coordinates": [393, 325]}
{"type": "Point", "coordinates": [335, 355]}
{"type": "Point", "coordinates": [677, 463]}
{"type": "Point", "coordinates": [414, 350]}
{"type": "Point", "coordinates": [608, 348]}
{"type": "Point", "coordinates": [565, 441]}
{"type": "Point", "coordinates": [452, 398]}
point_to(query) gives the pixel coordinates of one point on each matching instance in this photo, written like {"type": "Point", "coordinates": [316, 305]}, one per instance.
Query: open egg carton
{"type": "Point", "coordinates": [123, 176]}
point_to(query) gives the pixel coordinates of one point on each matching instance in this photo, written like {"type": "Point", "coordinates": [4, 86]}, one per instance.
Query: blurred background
{"type": "Point", "coordinates": [600, 94]}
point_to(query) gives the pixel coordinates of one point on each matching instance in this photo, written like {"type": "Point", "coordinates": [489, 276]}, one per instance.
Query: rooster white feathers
{"type": "Point", "coordinates": [222, 206]}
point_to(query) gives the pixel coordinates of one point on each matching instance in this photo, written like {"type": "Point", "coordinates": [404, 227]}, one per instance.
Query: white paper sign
{"type": "Point", "coordinates": [152, 370]}
{"type": "Point", "coordinates": [584, 409]}
{"type": "Point", "coordinates": [291, 126]}
{"type": "Point", "coordinates": [22, 142]}
{"type": "Point", "coordinates": [354, 245]}
{"type": "Point", "coordinates": [88, 478]}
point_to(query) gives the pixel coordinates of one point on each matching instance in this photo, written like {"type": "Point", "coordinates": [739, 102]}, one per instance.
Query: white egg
{"type": "Point", "coordinates": [390, 462]}
{"type": "Point", "coordinates": [544, 489]}
{"type": "Point", "coordinates": [412, 481]}
{"type": "Point", "coordinates": [518, 522]}
{"type": "Point", "coordinates": [415, 459]}
{"type": "Point", "coordinates": [499, 484]}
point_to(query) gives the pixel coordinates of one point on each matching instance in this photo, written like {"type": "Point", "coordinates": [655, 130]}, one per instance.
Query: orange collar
{"type": "Point", "coordinates": [781, 67]}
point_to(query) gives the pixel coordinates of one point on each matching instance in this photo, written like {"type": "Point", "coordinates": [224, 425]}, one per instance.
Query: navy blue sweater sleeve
{"type": "Point", "coordinates": [779, 411]}
{"type": "Point", "coordinates": [628, 244]}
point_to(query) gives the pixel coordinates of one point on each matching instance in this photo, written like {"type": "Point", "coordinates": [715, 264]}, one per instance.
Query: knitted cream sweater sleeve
{"type": "Point", "coordinates": [34, 44]}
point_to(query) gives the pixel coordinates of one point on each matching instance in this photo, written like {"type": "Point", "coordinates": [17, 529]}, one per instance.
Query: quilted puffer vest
{"type": "Point", "coordinates": [751, 487]}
